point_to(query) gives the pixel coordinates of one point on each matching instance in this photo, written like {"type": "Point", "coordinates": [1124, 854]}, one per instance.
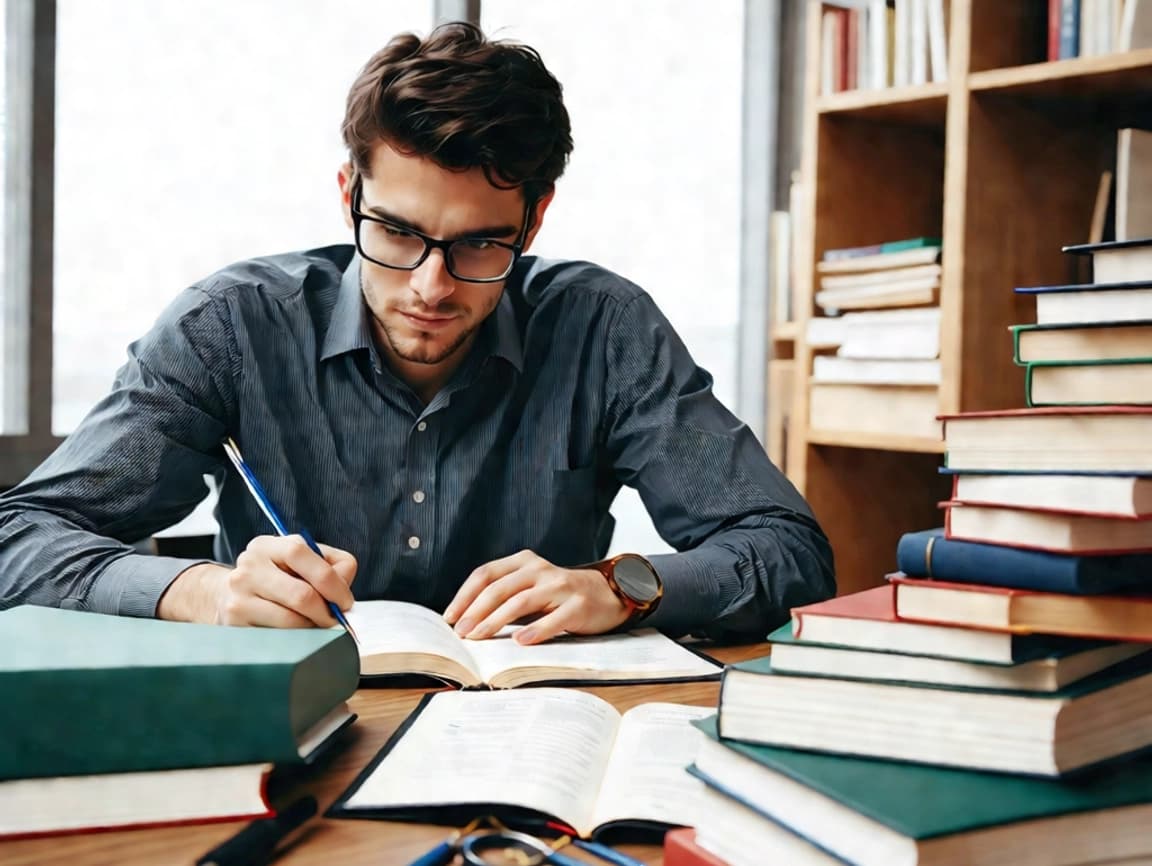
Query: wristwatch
{"type": "Point", "coordinates": [635, 582]}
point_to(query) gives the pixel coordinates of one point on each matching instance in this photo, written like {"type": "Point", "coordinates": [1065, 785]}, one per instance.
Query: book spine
{"type": "Point", "coordinates": [1054, 9]}
{"type": "Point", "coordinates": [1069, 29]}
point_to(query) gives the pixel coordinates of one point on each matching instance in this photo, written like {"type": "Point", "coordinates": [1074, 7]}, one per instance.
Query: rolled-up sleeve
{"type": "Point", "coordinates": [748, 547]}
{"type": "Point", "coordinates": [133, 466]}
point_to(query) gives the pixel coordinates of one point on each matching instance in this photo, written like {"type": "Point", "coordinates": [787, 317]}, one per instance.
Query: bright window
{"type": "Point", "coordinates": [190, 135]}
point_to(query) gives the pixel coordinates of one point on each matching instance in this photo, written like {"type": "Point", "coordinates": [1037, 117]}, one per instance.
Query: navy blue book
{"type": "Point", "coordinates": [930, 554]}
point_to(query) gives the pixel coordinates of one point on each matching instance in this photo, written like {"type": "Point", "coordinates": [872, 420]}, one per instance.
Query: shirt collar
{"type": "Point", "coordinates": [350, 328]}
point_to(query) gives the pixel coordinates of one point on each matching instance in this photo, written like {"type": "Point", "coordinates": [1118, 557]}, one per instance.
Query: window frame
{"type": "Point", "coordinates": [29, 187]}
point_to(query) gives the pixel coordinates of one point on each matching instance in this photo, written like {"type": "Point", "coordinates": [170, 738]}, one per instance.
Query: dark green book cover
{"type": "Point", "coordinates": [1018, 330]}
{"type": "Point", "coordinates": [87, 693]}
{"type": "Point", "coordinates": [923, 802]}
{"type": "Point", "coordinates": [1030, 368]}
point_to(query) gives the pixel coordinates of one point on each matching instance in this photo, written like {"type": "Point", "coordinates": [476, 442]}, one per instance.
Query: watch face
{"type": "Point", "coordinates": [636, 578]}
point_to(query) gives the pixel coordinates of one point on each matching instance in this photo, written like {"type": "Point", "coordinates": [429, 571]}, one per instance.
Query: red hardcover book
{"type": "Point", "coordinates": [1047, 529]}
{"type": "Point", "coordinates": [996, 608]}
{"type": "Point", "coordinates": [867, 620]}
{"type": "Point", "coordinates": [1094, 440]}
{"type": "Point", "coordinates": [680, 849]}
{"type": "Point", "coordinates": [1053, 29]}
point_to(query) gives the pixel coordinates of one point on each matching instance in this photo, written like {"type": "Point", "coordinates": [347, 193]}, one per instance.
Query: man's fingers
{"type": "Point", "coordinates": [291, 554]}
{"type": "Point", "coordinates": [545, 628]}
{"type": "Point", "coordinates": [490, 599]}
{"type": "Point", "coordinates": [287, 572]}
{"type": "Point", "coordinates": [342, 562]}
{"type": "Point", "coordinates": [528, 599]}
{"type": "Point", "coordinates": [482, 577]}
{"type": "Point", "coordinates": [252, 610]}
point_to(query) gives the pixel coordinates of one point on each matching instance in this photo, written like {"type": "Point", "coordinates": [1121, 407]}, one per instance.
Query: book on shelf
{"type": "Point", "coordinates": [532, 756]}
{"type": "Point", "coordinates": [88, 693]}
{"type": "Point", "coordinates": [875, 371]}
{"type": "Point", "coordinates": [1117, 261]}
{"type": "Point", "coordinates": [1107, 341]}
{"type": "Point", "coordinates": [912, 334]}
{"type": "Point", "coordinates": [847, 261]}
{"type": "Point", "coordinates": [1048, 673]}
{"type": "Point", "coordinates": [121, 801]}
{"type": "Point", "coordinates": [1082, 439]}
{"type": "Point", "coordinates": [871, 256]}
{"type": "Point", "coordinates": [885, 410]}
{"type": "Point", "coordinates": [1134, 179]}
{"type": "Point", "coordinates": [920, 292]}
{"type": "Point", "coordinates": [780, 273]}
{"type": "Point", "coordinates": [975, 606]}
{"type": "Point", "coordinates": [1089, 383]}
{"type": "Point", "coordinates": [1055, 531]}
{"type": "Point", "coordinates": [1093, 303]}
{"type": "Point", "coordinates": [929, 554]}
{"type": "Point", "coordinates": [736, 835]}
{"type": "Point", "coordinates": [877, 813]}
{"type": "Point", "coordinates": [399, 639]}
{"type": "Point", "coordinates": [867, 621]}
{"type": "Point", "coordinates": [887, 277]}
{"type": "Point", "coordinates": [1099, 718]}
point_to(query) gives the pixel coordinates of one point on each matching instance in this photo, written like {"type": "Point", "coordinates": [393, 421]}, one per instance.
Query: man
{"type": "Point", "coordinates": [452, 417]}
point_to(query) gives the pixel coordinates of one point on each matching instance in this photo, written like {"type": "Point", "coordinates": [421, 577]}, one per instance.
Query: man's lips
{"type": "Point", "coordinates": [426, 322]}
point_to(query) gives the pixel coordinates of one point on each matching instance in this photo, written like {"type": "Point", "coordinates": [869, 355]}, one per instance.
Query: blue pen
{"type": "Point", "coordinates": [233, 452]}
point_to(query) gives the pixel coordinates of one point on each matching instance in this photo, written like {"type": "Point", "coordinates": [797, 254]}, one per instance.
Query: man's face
{"type": "Point", "coordinates": [426, 319]}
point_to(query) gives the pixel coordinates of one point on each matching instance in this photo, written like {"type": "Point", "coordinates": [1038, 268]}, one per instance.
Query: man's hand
{"type": "Point", "coordinates": [577, 601]}
{"type": "Point", "coordinates": [277, 582]}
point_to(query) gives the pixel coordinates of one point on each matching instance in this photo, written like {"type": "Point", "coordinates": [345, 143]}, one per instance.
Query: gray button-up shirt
{"type": "Point", "coordinates": [576, 385]}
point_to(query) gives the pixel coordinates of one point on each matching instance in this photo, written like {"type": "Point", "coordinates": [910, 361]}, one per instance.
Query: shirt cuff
{"type": "Point", "coordinates": [132, 585]}
{"type": "Point", "coordinates": [693, 597]}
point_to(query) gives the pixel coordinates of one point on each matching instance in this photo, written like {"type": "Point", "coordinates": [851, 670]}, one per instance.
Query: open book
{"type": "Point", "coordinates": [401, 638]}
{"type": "Point", "coordinates": [531, 756]}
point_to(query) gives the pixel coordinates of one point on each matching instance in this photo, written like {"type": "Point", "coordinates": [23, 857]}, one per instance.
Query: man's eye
{"type": "Point", "coordinates": [477, 243]}
{"type": "Point", "coordinates": [393, 232]}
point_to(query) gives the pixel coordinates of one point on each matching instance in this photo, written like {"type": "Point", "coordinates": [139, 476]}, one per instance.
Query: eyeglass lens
{"type": "Point", "coordinates": [475, 259]}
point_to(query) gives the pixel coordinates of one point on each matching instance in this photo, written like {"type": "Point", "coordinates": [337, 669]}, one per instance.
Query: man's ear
{"type": "Point", "coordinates": [538, 216]}
{"type": "Point", "coordinates": [345, 178]}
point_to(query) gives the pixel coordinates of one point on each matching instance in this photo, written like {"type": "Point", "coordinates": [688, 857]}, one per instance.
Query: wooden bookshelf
{"type": "Point", "coordinates": [1002, 162]}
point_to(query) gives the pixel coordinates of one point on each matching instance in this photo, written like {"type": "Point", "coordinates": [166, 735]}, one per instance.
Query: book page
{"type": "Point", "coordinates": [646, 779]}
{"type": "Point", "coordinates": [633, 655]}
{"type": "Point", "coordinates": [543, 749]}
{"type": "Point", "coordinates": [402, 628]}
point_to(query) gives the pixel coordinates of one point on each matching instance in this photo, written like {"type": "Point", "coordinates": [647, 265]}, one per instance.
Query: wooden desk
{"type": "Point", "coordinates": [343, 842]}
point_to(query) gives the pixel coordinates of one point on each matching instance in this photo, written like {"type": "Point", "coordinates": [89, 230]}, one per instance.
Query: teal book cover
{"type": "Point", "coordinates": [88, 693]}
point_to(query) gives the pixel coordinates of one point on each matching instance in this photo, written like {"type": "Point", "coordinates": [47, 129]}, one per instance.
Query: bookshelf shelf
{"type": "Point", "coordinates": [1126, 73]}
{"type": "Point", "coordinates": [876, 441]}
{"type": "Point", "coordinates": [1003, 163]}
{"type": "Point", "coordinates": [922, 104]}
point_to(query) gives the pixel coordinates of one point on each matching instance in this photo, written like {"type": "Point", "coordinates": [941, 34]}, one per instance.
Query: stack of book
{"type": "Point", "coordinates": [1084, 28]}
{"type": "Point", "coordinates": [112, 722]}
{"type": "Point", "coordinates": [886, 365]}
{"type": "Point", "coordinates": [992, 703]}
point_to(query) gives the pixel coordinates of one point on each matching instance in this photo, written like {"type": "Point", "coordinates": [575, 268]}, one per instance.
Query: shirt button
{"type": "Point", "coordinates": [414, 542]}
{"type": "Point", "coordinates": [418, 496]}
{"type": "Point", "coordinates": [422, 426]}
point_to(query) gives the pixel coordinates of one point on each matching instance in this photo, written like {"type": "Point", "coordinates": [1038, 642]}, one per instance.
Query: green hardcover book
{"type": "Point", "coordinates": [1094, 720]}
{"type": "Point", "coordinates": [86, 693]}
{"type": "Point", "coordinates": [1089, 383]}
{"type": "Point", "coordinates": [1064, 344]}
{"type": "Point", "coordinates": [877, 813]}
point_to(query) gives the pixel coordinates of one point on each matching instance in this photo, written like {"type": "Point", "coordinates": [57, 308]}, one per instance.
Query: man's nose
{"type": "Point", "coordinates": [431, 281]}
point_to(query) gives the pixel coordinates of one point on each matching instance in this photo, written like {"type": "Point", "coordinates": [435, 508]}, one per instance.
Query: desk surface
{"type": "Point", "coordinates": [344, 842]}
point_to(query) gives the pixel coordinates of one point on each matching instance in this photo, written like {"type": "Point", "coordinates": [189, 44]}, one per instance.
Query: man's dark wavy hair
{"type": "Point", "coordinates": [464, 101]}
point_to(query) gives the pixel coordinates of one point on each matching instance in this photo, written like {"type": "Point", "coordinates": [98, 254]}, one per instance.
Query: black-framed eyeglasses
{"type": "Point", "coordinates": [472, 260]}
